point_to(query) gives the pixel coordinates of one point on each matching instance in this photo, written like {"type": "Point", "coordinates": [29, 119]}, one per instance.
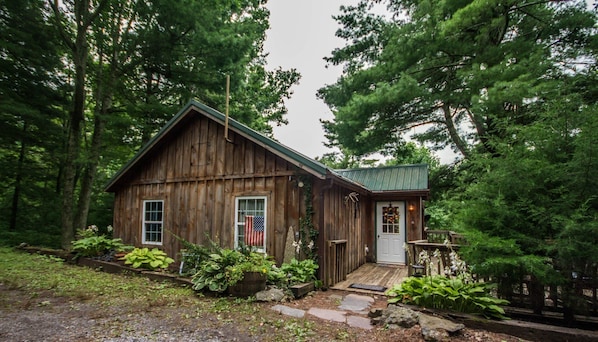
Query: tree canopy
{"type": "Point", "coordinates": [454, 68]}
{"type": "Point", "coordinates": [86, 82]}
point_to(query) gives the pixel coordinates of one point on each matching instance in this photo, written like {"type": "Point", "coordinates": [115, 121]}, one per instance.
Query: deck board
{"type": "Point", "coordinates": [373, 274]}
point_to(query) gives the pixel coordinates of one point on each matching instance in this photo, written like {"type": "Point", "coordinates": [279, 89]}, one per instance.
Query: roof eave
{"type": "Point", "coordinates": [402, 193]}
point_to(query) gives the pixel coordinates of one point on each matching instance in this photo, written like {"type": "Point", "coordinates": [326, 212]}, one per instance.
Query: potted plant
{"type": "Point", "coordinates": [239, 273]}
{"type": "Point", "coordinates": [301, 276]}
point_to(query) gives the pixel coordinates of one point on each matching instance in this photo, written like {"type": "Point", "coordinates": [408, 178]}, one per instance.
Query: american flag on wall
{"type": "Point", "coordinates": [254, 230]}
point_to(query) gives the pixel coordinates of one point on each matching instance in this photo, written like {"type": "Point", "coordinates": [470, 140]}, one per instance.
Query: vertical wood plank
{"type": "Point", "coordinates": [203, 147]}
{"type": "Point", "coordinates": [211, 149]}
{"type": "Point", "coordinates": [220, 151]}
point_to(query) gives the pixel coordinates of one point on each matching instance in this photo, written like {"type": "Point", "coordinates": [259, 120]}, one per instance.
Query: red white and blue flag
{"type": "Point", "coordinates": [254, 230]}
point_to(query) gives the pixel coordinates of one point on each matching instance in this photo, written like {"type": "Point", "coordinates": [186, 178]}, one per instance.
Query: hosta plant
{"type": "Point", "coordinates": [94, 246]}
{"type": "Point", "coordinates": [299, 271]}
{"type": "Point", "coordinates": [148, 259]}
{"type": "Point", "coordinates": [440, 292]}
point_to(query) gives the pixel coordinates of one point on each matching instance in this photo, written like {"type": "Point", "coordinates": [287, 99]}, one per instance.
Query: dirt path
{"type": "Point", "coordinates": [43, 317]}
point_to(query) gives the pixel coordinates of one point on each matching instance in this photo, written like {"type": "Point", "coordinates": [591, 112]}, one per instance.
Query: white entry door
{"type": "Point", "coordinates": [390, 232]}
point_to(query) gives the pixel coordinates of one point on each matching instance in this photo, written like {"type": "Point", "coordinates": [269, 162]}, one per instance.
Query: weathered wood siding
{"type": "Point", "coordinates": [198, 174]}
{"type": "Point", "coordinates": [340, 218]}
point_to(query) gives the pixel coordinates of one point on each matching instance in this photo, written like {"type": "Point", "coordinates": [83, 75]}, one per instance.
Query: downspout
{"type": "Point", "coordinates": [321, 238]}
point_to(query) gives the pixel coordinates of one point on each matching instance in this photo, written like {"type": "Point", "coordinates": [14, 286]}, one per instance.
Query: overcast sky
{"type": "Point", "coordinates": [301, 34]}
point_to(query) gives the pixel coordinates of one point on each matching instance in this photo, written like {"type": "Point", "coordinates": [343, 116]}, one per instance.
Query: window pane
{"type": "Point", "coordinates": [153, 221]}
{"type": "Point", "coordinates": [251, 222]}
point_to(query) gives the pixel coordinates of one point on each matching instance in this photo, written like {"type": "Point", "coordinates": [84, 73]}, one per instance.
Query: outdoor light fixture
{"type": "Point", "coordinates": [411, 207]}
{"type": "Point", "coordinates": [299, 183]}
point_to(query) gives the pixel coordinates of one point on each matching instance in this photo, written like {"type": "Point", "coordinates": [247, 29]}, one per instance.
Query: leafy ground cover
{"type": "Point", "coordinates": [42, 298]}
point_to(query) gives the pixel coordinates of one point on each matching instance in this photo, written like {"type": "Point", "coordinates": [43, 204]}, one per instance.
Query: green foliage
{"type": "Point", "coordinates": [440, 292]}
{"type": "Point", "coordinates": [226, 267]}
{"type": "Point", "coordinates": [49, 238]}
{"type": "Point", "coordinates": [298, 272]}
{"type": "Point", "coordinates": [148, 259]}
{"type": "Point", "coordinates": [115, 100]}
{"type": "Point", "coordinates": [527, 209]}
{"type": "Point", "coordinates": [192, 255]}
{"type": "Point", "coordinates": [449, 65]}
{"type": "Point", "coordinates": [308, 234]}
{"type": "Point", "coordinates": [93, 246]}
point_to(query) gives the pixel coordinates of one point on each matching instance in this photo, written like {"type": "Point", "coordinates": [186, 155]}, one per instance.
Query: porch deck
{"type": "Point", "coordinates": [373, 274]}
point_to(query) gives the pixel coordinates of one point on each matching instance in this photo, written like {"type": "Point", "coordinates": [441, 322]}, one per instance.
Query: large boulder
{"type": "Point", "coordinates": [433, 328]}
{"type": "Point", "coordinates": [437, 329]}
{"type": "Point", "coordinates": [395, 316]}
{"type": "Point", "coordinates": [270, 295]}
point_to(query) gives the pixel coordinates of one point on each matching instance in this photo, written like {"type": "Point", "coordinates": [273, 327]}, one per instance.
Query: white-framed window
{"type": "Point", "coordinates": [251, 222]}
{"type": "Point", "coordinates": [153, 222]}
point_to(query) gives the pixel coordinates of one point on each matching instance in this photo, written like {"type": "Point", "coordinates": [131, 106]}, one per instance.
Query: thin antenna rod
{"type": "Point", "coordinates": [226, 113]}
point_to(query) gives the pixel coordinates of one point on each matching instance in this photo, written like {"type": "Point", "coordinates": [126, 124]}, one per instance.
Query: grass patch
{"type": "Point", "coordinates": [35, 273]}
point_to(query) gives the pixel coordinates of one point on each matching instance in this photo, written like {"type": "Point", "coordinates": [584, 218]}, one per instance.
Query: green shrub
{"type": "Point", "coordinates": [193, 255]}
{"type": "Point", "coordinates": [147, 259]}
{"type": "Point", "coordinates": [298, 272]}
{"type": "Point", "coordinates": [440, 292]}
{"type": "Point", "coordinates": [93, 246]}
{"type": "Point", "coordinates": [226, 267]}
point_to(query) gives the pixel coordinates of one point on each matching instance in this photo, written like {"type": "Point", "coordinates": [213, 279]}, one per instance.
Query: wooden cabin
{"type": "Point", "coordinates": [199, 179]}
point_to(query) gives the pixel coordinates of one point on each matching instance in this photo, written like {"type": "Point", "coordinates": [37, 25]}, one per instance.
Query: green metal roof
{"type": "Point", "coordinates": [390, 178]}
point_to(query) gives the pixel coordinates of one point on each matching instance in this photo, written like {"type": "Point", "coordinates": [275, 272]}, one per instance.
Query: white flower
{"type": "Point", "coordinates": [310, 245]}
{"type": "Point", "coordinates": [109, 228]}
{"type": "Point", "coordinates": [297, 245]}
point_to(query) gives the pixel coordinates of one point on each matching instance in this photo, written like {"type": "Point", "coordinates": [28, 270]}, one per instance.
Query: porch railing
{"type": "Point", "coordinates": [435, 243]}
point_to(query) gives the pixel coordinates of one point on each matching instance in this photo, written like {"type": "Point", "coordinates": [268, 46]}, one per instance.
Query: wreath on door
{"type": "Point", "coordinates": [391, 214]}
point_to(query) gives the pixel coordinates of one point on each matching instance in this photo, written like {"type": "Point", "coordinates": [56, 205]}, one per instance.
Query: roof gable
{"type": "Point", "coordinates": [303, 162]}
{"type": "Point", "coordinates": [395, 178]}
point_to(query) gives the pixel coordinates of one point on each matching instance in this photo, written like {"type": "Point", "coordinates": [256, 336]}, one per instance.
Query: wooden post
{"type": "Point", "coordinates": [226, 111]}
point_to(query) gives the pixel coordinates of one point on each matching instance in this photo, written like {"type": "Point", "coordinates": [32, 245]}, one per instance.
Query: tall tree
{"type": "Point", "coordinates": [30, 102]}
{"type": "Point", "coordinates": [140, 60]}
{"type": "Point", "coordinates": [178, 57]}
{"type": "Point", "coordinates": [74, 20]}
{"type": "Point", "coordinates": [453, 67]}
{"type": "Point", "coordinates": [85, 82]}
{"type": "Point", "coordinates": [532, 208]}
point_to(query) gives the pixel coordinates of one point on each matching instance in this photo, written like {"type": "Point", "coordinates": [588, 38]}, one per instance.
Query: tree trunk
{"type": "Point", "coordinates": [91, 167]}
{"type": "Point", "coordinates": [68, 188]}
{"type": "Point", "coordinates": [80, 53]}
{"type": "Point", "coordinates": [536, 294]}
{"type": "Point", "coordinates": [14, 212]}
